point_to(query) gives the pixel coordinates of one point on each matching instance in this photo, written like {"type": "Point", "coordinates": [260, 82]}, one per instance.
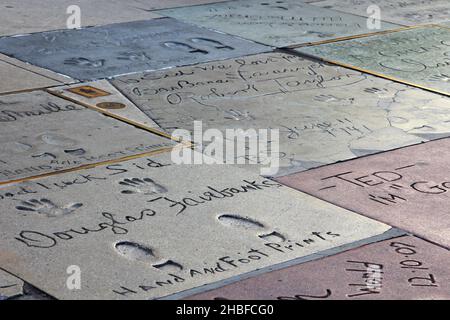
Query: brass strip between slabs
{"type": "Point", "coordinates": [35, 89]}
{"type": "Point", "coordinates": [364, 35]}
{"type": "Point", "coordinates": [348, 66]}
{"type": "Point", "coordinates": [115, 116]}
{"type": "Point", "coordinates": [93, 165]}
{"type": "Point", "coordinates": [442, 25]}
{"type": "Point", "coordinates": [412, 84]}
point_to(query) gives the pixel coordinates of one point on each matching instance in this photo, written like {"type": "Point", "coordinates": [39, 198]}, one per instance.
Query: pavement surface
{"type": "Point", "coordinates": [211, 150]}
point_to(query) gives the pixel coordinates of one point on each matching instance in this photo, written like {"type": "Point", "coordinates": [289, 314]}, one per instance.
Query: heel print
{"type": "Point", "coordinates": [141, 253]}
{"type": "Point", "coordinates": [233, 220]}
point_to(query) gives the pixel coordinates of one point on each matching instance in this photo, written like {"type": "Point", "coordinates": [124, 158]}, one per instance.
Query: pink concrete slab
{"type": "Point", "coordinates": [400, 268]}
{"type": "Point", "coordinates": [407, 188]}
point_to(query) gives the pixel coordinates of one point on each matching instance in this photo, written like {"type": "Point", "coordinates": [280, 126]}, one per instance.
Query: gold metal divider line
{"type": "Point", "coordinates": [363, 35]}
{"type": "Point", "coordinates": [381, 75]}
{"type": "Point", "coordinates": [94, 165]}
{"type": "Point", "coordinates": [443, 25]}
{"type": "Point", "coordinates": [35, 89]}
{"type": "Point", "coordinates": [117, 117]}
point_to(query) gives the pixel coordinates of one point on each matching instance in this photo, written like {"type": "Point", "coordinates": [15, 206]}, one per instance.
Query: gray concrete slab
{"type": "Point", "coordinates": [17, 76]}
{"type": "Point", "coordinates": [324, 113]}
{"type": "Point", "coordinates": [106, 51]}
{"type": "Point", "coordinates": [410, 12]}
{"type": "Point", "coordinates": [161, 228]}
{"type": "Point", "coordinates": [417, 56]}
{"type": "Point", "coordinates": [29, 16]}
{"type": "Point", "coordinates": [404, 268]}
{"type": "Point", "coordinates": [275, 23]}
{"type": "Point", "coordinates": [41, 134]}
{"type": "Point", "coordinates": [10, 286]}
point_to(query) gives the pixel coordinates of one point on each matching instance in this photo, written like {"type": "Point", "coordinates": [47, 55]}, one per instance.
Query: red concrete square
{"type": "Point", "coordinates": [401, 268]}
{"type": "Point", "coordinates": [407, 188]}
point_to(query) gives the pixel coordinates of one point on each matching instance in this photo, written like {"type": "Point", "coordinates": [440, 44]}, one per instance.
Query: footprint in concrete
{"type": "Point", "coordinates": [183, 47]}
{"type": "Point", "coordinates": [327, 98]}
{"type": "Point", "coordinates": [49, 37]}
{"type": "Point", "coordinates": [144, 186]}
{"type": "Point", "coordinates": [138, 252]}
{"type": "Point", "coordinates": [275, 5]}
{"type": "Point", "coordinates": [211, 43]}
{"type": "Point", "coordinates": [133, 56]}
{"type": "Point", "coordinates": [320, 34]}
{"type": "Point", "coordinates": [238, 115]}
{"type": "Point", "coordinates": [57, 140]}
{"type": "Point", "coordinates": [75, 152]}
{"type": "Point", "coordinates": [47, 207]}
{"type": "Point", "coordinates": [84, 62]}
{"type": "Point", "coordinates": [237, 221]}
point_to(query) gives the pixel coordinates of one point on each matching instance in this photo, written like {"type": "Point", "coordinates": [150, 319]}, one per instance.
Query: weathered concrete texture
{"type": "Point", "coordinates": [405, 268]}
{"type": "Point", "coordinates": [406, 188]}
{"type": "Point", "coordinates": [40, 133]}
{"type": "Point", "coordinates": [115, 49]}
{"type": "Point", "coordinates": [162, 228]}
{"type": "Point", "coordinates": [10, 286]}
{"type": "Point", "coordinates": [30, 16]}
{"type": "Point", "coordinates": [158, 4]}
{"type": "Point", "coordinates": [16, 76]}
{"type": "Point", "coordinates": [324, 113]}
{"type": "Point", "coordinates": [418, 56]}
{"type": "Point", "coordinates": [275, 23]}
{"type": "Point", "coordinates": [31, 293]}
{"type": "Point", "coordinates": [411, 12]}
{"type": "Point", "coordinates": [105, 97]}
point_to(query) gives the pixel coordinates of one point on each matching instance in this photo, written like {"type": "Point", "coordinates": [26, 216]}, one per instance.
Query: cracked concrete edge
{"type": "Point", "coordinates": [32, 293]}
{"type": "Point", "coordinates": [46, 73]}
{"type": "Point", "coordinates": [27, 291]}
{"type": "Point", "coordinates": [390, 234]}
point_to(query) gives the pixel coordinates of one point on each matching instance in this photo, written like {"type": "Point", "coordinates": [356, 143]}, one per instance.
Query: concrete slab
{"type": "Point", "coordinates": [162, 228]}
{"type": "Point", "coordinates": [10, 286]}
{"type": "Point", "coordinates": [410, 13]}
{"type": "Point", "coordinates": [40, 134]}
{"type": "Point", "coordinates": [102, 96]}
{"type": "Point", "coordinates": [324, 113]}
{"type": "Point", "coordinates": [405, 268]}
{"type": "Point", "coordinates": [158, 4]}
{"type": "Point", "coordinates": [106, 51]}
{"type": "Point", "coordinates": [28, 16]}
{"type": "Point", "coordinates": [275, 23]}
{"type": "Point", "coordinates": [406, 188]}
{"type": "Point", "coordinates": [31, 293]}
{"type": "Point", "coordinates": [19, 76]}
{"type": "Point", "coordinates": [416, 56]}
